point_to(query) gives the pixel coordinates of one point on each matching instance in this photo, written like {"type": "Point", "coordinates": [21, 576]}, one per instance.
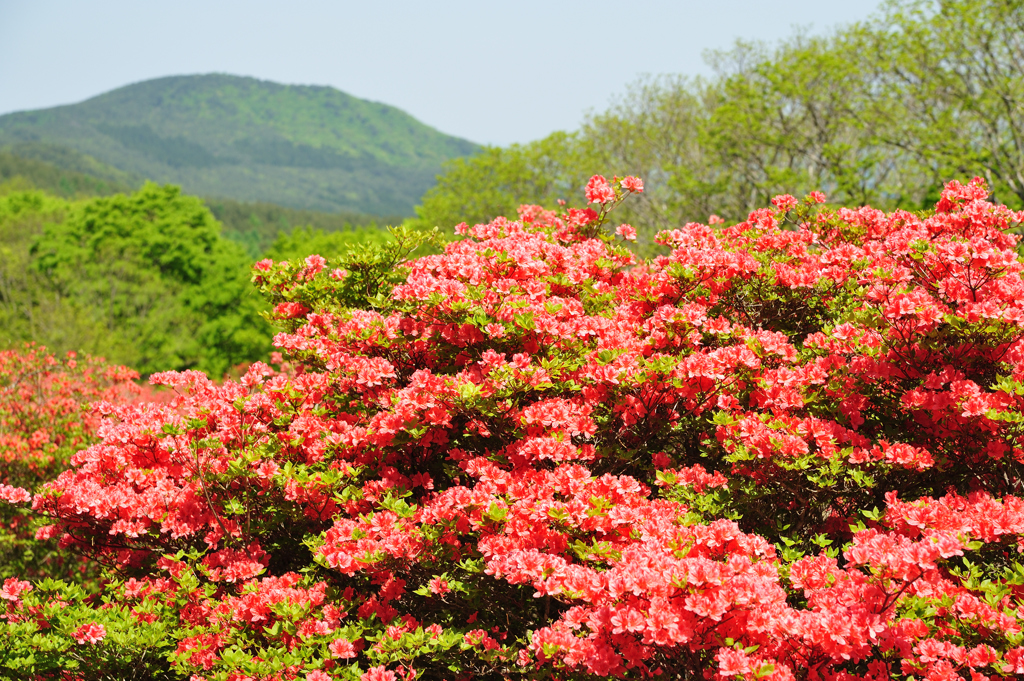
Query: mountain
{"type": "Point", "coordinates": [67, 173]}
{"type": "Point", "coordinates": [306, 147]}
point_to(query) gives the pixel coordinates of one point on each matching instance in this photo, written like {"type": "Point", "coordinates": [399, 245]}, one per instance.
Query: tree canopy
{"type": "Point", "coordinates": [879, 112]}
{"type": "Point", "coordinates": [145, 279]}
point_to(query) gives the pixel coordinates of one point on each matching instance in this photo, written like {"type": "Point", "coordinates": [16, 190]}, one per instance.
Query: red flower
{"type": "Point", "coordinates": [89, 633]}
{"type": "Point", "coordinates": [290, 310]}
{"type": "Point", "coordinates": [343, 648]}
{"type": "Point", "coordinates": [632, 184]}
{"type": "Point", "coordinates": [784, 202]}
{"type": "Point", "coordinates": [599, 191]}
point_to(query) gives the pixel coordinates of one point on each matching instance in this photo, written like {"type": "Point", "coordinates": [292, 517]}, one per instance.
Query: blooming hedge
{"type": "Point", "coordinates": [788, 448]}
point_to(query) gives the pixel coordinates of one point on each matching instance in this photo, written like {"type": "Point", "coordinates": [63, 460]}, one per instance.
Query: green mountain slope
{"type": "Point", "coordinates": [254, 225]}
{"type": "Point", "coordinates": [241, 138]}
{"type": "Point", "coordinates": [67, 173]}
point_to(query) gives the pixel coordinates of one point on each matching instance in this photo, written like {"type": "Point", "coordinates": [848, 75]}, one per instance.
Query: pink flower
{"type": "Point", "coordinates": [632, 184]}
{"type": "Point", "coordinates": [732, 662]}
{"type": "Point", "coordinates": [715, 220]}
{"type": "Point", "coordinates": [290, 310]}
{"type": "Point", "coordinates": [784, 202]}
{"type": "Point", "coordinates": [343, 648]}
{"type": "Point", "coordinates": [581, 218]}
{"type": "Point", "coordinates": [314, 265]}
{"type": "Point", "coordinates": [378, 674]}
{"type": "Point", "coordinates": [264, 265]}
{"type": "Point", "coordinates": [439, 586]}
{"type": "Point", "coordinates": [317, 675]}
{"type": "Point", "coordinates": [627, 232]}
{"type": "Point", "coordinates": [15, 495]}
{"type": "Point", "coordinates": [89, 633]}
{"type": "Point", "coordinates": [13, 589]}
{"type": "Point", "coordinates": [267, 470]}
{"type": "Point", "coordinates": [816, 197]}
{"type": "Point", "coordinates": [599, 191]}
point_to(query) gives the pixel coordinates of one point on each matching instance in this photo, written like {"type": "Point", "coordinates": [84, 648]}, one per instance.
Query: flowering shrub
{"type": "Point", "coordinates": [789, 448]}
{"type": "Point", "coordinates": [45, 416]}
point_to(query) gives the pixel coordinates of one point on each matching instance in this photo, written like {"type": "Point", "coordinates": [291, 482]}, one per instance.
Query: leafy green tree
{"type": "Point", "coordinates": [947, 88]}
{"type": "Point", "coordinates": [785, 119]}
{"type": "Point", "coordinates": [656, 131]}
{"type": "Point", "coordinates": [30, 309]}
{"type": "Point", "coordinates": [153, 270]}
{"type": "Point", "coordinates": [881, 112]}
{"type": "Point", "coordinates": [498, 179]}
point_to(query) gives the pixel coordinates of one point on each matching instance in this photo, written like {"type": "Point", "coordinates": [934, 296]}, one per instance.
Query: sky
{"type": "Point", "coordinates": [491, 72]}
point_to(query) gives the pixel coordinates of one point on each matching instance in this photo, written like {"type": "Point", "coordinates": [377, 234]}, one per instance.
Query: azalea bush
{"type": "Point", "coordinates": [45, 416]}
{"type": "Point", "coordinates": [789, 448]}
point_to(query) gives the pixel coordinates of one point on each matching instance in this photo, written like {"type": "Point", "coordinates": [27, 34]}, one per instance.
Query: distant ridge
{"type": "Point", "coordinates": [306, 147]}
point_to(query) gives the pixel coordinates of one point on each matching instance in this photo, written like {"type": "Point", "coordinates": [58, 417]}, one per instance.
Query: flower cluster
{"type": "Point", "coordinates": [786, 448]}
{"type": "Point", "coordinates": [46, 414]}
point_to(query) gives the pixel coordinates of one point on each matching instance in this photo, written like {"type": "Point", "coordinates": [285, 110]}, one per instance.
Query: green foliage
{"type": "Point", "coordinates": [144, 280]}
{"type": "Point", "coordinates": [948, 90]}
{"type": "Point", "coordinates": [498, 180]}
{"type": "Point", "coordinates": [218, 135]}
{"type": "Point", "coordinates": [257, 225]}
{"type": "Point", "coordinates": [154, 270]}
{"type": "Point", "coordinates": [132, 648]}
{"type": "Point", "coordinates": [18, 173]}
{"type": "Point", "coordinates": [881, 112]}
{"type": "Point", "coordinates": [304, 241]}
{"type": "Point", "coordinates": [367, 270]}
{"type": "Point", "coordinates": [29, 307]}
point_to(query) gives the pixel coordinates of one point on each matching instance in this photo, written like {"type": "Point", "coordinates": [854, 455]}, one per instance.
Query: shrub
{"type": "Point", "coordinates": [45, 416]}
{"type": "Point", "coordinates": [789, 448]}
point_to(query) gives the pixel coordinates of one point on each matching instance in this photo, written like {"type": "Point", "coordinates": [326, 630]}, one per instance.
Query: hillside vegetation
{"type": "Point", "coordinates": [254, 225]}
{"type": "Point", "coordinates": [149, 279]}
{"type": "Point", "coordinates": [250, 140]}
{"type": "Point", "coordinates": [145, 279]}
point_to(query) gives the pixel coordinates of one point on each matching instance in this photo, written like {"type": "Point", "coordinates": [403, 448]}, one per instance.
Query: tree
{"type": "Point", "coordinates": [497, 180]}
{"type": "Point", "coordinates": [153, 270]}
{"type": "Point", "coordinates": [879, 112]}
{"type": "Point", "coordinates": [947, 90]}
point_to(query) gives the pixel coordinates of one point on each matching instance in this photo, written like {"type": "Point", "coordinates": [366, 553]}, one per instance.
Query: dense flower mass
{"type": "Point", "coordinates": [46, 415]}
{"type": "Point", "coordinates": [788, 448]}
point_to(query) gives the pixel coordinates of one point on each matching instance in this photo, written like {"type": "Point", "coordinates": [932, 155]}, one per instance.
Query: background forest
{"type": "Point", "coordinates": [879, 113]}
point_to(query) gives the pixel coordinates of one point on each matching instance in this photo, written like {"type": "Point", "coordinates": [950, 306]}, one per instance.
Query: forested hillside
{"type": "Point", "coordinates": [245, 139]}
{"type": "Point", "coordinates": [254, 225]}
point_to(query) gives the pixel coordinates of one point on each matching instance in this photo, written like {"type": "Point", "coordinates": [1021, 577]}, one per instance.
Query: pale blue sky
{"type": "Point", "coordinates": [492, 72]}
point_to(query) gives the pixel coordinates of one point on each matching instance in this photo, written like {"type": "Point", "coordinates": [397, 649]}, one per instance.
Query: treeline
{"type": "Point", "coordinates": [257, 226]}
{"type": "Point", "coordinates": [254, 225]}
{"type": "Point", "coordinates": [149, 279]}
{"type": "Point", "coordinates": [879, 113]}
